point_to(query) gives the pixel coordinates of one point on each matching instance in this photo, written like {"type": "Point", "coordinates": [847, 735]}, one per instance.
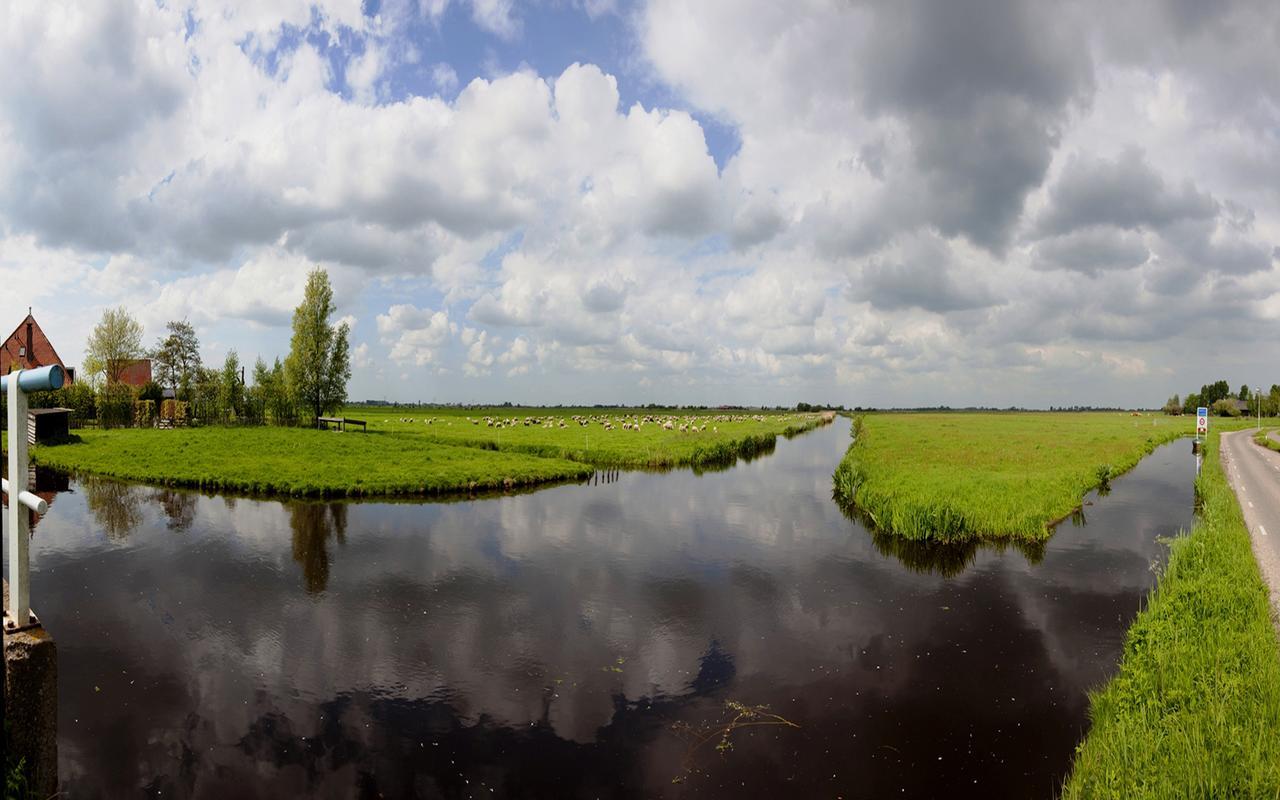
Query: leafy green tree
{"type": "Point", "coordinates": [284, 406]}
{"type": "Point", "coordinates": [176, 357]}
{"type": "Point", "coordinates": [1192, 402]}
{"type": "Point", "coordinates": [1244, 392]}
{"type": "Point", "coordinates": [115, 341]}
{"type": "Point", "coordinates": [151, 391]}
{"type": "Point", "coordinates": [1225, 407]}
{"type": "Point", "coordinates": [205, 396]}
{"type": "Point", "coordinates": [230, 388]}
{"type": "Point", "coordinates": [319, 363]}
{"type": "Point", "coordinates": [1173, 406]}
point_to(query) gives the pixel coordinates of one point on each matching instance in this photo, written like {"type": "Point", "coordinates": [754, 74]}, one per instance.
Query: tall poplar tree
{"type": "Point", "coordinates": [319, 363]}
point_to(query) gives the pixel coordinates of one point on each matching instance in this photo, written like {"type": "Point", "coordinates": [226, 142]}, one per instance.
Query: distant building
{"type": "Point", "coordinates": [1242, 406]}
{"type": "Point", "coordinates": [134, 372]}
{"type": "Point", "coordinates": [27, 348]}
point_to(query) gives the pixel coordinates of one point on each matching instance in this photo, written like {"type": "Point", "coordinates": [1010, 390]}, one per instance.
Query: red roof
{"type": "Point", "coordinates": [27, 348]}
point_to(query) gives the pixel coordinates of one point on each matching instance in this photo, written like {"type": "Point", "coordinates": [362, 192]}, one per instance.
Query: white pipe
{"type": "Point", "coordinates": [31, 501]}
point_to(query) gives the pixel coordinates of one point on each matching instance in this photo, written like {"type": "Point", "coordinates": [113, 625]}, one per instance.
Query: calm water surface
{"type": "Point", "coordinates": [581, 641]}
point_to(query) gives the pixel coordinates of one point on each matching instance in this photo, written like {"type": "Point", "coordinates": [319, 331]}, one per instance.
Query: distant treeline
{"type": "Point", "coordinates": [802, 407]}
{"type": "Point", "coordinates": [1222, 402]}
{"type": "Point", "coordinates": [990, 409]}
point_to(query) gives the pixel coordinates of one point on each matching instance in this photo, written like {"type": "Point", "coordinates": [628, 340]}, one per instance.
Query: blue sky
{"type": "Point", "coordinates": [986, 202]}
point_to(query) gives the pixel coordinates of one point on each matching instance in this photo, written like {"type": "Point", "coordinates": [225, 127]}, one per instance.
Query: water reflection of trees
{"type": "Point", "coordinates": [116, 506]}
{"type": "Point", "coordinates": [313, 524]}
{"type": "Point", "coordinates": [179, 508]}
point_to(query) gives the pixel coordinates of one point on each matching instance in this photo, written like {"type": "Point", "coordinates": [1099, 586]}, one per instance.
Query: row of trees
{"type": "Point", "coordinates": [310, 382]}
{"type": "Point", "coordinates": [1219, 399]}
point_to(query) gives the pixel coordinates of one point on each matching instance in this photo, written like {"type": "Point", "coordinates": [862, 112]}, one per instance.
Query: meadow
{"type": "Point", "coordinates": [1195, 708]}
{"type": "Point", "coordinates": [422, 453]}
{"type": "Point", "coordinates": [960, 476]}
{"type": "Point", "coordinates": [629, 438]}
{"type": "Point", "coordinates": [299, 462]}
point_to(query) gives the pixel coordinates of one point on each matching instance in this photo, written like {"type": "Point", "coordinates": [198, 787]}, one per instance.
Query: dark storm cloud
{"type": "Point", "coordinates": [1126, 193]}
{"type": "Point", "coordinates": [1092, 250]}
{"type": "Point", "coordinates": [922, 277]}
{"type": "Point", "coordinates": [983, 86]}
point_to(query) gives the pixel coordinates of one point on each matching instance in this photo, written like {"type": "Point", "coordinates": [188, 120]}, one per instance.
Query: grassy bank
{"type": "Point", "coordinates": [1195, 708]}
{"type": "Point", "coordinates": [1263, 438]}
{"type": "Point", "coordinates": [300, 462]}
{"type": "Point", "coordinates": [958, 476]}
{"type": "Point", "coordinates": [404, 454]}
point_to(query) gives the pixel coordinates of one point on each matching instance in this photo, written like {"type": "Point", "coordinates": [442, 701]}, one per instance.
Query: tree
{"type": "Point", "coordinates": [1192, 401]}
{"type": "Point", "coordinates": [176, 357]}
{"type": "Point", "coordinates": [1225, 407]}
{"type": "Point", "coordinates": [1244, 392]}
{"type": "Point", "coordinates": [1173, 406]}
{"type": "Point", "coordinates": [319, 362]}
{"type": "Point", "coordinates": [115, 342]}
{"type": "Point", "coordinates": [230, 389]}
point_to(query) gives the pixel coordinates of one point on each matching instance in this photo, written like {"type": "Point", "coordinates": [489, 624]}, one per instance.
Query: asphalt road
{"type": "Point", "coordinates": [1254, 473]}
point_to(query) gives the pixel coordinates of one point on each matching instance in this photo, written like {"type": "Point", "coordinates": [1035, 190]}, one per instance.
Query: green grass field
{"type": "Point", "coordinates": [603, 437]}
{"type": "Point", "coordinates": [401, 454]}
{"type": "Point", "coordinates": [1195, 708]}
{"type": "Point", "coordinates": [300, 462]}
{"type": "Point", "coordinates": [959, 476]}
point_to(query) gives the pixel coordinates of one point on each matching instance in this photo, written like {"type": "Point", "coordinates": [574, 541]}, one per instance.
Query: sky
{"type": "Point", "coordinates": [979, 202]}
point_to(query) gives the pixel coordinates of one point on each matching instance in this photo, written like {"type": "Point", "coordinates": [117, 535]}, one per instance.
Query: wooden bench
{"type": "Point", "coordinates": [340, 423]}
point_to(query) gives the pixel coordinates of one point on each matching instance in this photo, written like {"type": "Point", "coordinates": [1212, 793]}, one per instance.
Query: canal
{"type": "Point", "coordinates": [730, 634]}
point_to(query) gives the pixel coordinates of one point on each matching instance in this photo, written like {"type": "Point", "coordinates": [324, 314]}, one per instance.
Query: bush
{"type": "Point", "coordinates": [151, 391]}
{"type": "Point", "coordinates": [1225, 408]}
{"type": "Point", "coordinates": [144, 413]}
{"type": "Point", "coordinates": [115, 406]}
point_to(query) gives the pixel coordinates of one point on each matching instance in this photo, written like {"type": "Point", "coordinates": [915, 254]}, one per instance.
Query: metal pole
{"type": "Point", "coordinates": [19, 546]}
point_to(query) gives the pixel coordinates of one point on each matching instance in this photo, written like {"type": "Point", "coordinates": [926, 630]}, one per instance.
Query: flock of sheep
{"type": "Point", "coordinates": [627, 422]}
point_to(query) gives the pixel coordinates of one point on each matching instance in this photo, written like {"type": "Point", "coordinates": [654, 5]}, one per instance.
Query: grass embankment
{"type": "Point", "coordinates": [1264, 438]}
{"type": "Point", "coordinates": [403, 454]}
{"type": "Point", "coordinates": [629, 438]}
{"type": "Point", "coordinates": [299, 462]}
{"type": "Point", "coordinates": [960, 476]}
{"type": "Point", "coordinates": [1195, 708]}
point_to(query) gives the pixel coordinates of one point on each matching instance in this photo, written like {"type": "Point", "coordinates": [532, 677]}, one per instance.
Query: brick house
{"type": "Point", "coordinates": [27, 348]}
{"type": "Point", "coordinates": [134, 372]}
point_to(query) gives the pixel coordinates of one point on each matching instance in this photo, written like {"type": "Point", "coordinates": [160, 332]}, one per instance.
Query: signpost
{"type": "Point", "coordinates": [1202, 422]}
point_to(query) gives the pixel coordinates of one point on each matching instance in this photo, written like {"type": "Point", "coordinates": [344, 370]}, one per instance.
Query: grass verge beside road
{"type": "Point", "coordinates": [961, 476]}
{"type": "Point", "coordinates": [1263, 438]}
{"type": "Point", "coordinates": [1195, 708]}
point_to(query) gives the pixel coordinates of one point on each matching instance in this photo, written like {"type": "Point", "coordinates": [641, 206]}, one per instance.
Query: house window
{"type": "Point", "coordinates": [22, 351]}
